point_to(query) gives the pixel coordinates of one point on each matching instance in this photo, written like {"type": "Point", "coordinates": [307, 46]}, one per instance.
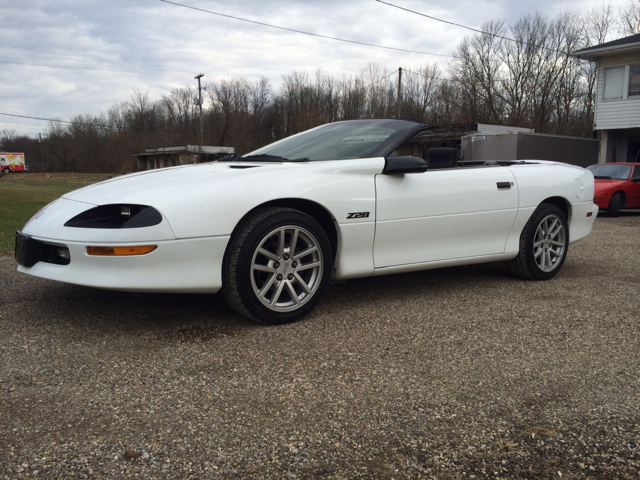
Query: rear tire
{"type": "Point", "coordinates": [543, 245]}
{"type": "Point", "coordinates": [277, 266]}
{"type": "Point", "coordinates": [615, 205]}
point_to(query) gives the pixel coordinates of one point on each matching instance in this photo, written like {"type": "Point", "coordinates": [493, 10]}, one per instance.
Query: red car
{"type": "Point", "coordinates": [617, 186]}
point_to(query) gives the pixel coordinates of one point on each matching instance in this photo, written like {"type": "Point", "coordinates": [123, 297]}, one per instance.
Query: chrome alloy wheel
{"type": "Point", "coordinates": [550, 243]}
{"type": "Point", "coordinates": [286, 268]}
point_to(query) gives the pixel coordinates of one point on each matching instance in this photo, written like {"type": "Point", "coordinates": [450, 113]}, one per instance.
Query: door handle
{"type": "Point", "coordinates": [504, 185]}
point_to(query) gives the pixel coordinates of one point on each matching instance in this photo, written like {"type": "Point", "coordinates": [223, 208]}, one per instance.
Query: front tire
{"type": "Point", "coordinates": [277, 266]}
{"type": "Point", "coordinates": [615, 205]}
{"type": "Point", "coordinates": [543, 244]}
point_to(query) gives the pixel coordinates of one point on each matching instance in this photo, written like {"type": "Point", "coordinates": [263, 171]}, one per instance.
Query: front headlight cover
{"type": "Point", "coordinates": [116, 216]}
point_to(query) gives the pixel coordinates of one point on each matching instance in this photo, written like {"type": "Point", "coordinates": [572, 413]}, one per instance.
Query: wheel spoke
{"type": "Point", "coordinates": [537, 244]}
{"type": "Point", "coordinates": [556, 232]}
{"type": "Point", "coordinates": [548, 258]}
{"type": "Point", "coordinates": [292, 293]}
{"type": "Point", "coordinates": [264, 268]}
{"type": "Point", "coordinates": [268, 254]}
{"type": "Point", "coordinates": [293, 242]}
{"type": "Point", "coordinates": [305, 252]}
{"type": "Point", "coordinates": [307, 266]}
{"type": "Point", "coordinates": [267, 285]}
{"type": "Point", "coordinates": [302, 283]}
{"type": "Point", "coordinates": [538, 252]}
{"type": "Point", "coordinates": [276, 296]}
{"type": "Point", "coordinates": [280, 251]}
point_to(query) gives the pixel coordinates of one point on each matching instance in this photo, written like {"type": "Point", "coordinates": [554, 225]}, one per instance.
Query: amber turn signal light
{"type": "Point", "coordinates": [118, 251]}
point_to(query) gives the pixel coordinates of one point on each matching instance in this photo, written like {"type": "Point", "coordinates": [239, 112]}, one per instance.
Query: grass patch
{"type": "Point", "coordinates": [23, 194]}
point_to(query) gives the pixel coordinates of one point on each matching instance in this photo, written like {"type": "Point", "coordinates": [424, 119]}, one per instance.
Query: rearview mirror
{"type": "Point", "coordinates": [402, 165]}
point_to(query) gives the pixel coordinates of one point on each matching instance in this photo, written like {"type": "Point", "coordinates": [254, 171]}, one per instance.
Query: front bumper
{"type": "Point", "coordinates": [176, 266]}
{"type": "Point", "coordinates": [602, 201]}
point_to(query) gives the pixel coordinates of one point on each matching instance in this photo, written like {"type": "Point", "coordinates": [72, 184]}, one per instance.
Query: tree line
{"type": "Point", "coordinates": [520, 74]}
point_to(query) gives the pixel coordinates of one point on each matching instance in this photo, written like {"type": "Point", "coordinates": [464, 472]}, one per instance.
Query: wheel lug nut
{"type": "Point", "coordinates": [286, 257]}
{"type": "Point", "coordinates": [290, 276]}
{"type": "Point", "coordinates": [294, 264]}
{"type": "Point", "coordinates": [279, 276]}
{"type": "Point", "coordinates": [276, 265]}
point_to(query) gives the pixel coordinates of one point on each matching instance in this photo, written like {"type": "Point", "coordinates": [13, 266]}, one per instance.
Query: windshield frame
{"type": "Point", "coordinates": [316, 144]}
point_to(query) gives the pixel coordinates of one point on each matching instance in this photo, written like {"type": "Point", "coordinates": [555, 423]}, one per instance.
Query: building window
{"type": "Point", "coordinates": [613, 83]}
{"type": "Point", "coordinates": [634, 80]}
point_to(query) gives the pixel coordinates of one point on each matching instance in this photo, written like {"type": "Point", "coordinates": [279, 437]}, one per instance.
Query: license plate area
{"type": "Point", "coordinates": [28, 251]}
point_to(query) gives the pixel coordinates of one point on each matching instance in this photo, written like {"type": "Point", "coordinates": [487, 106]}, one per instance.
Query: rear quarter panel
{"type": "Point", "coordinates": [544, 180]}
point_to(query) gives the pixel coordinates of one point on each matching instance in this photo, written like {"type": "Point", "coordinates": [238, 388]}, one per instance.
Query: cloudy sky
{"type": "Point", "coordinates": [63, 58]}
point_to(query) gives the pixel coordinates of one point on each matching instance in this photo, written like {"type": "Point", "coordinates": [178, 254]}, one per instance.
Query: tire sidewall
{"type": "Point", "coordinates": [614, 205]}
{"type": "Point", "coordinates": [540, 214]}
{"type": "Point", "coordinates": [245, 258]}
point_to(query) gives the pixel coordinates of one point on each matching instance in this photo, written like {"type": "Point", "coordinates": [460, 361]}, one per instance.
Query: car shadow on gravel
{"type": "Point", "coordinates": [93, 313]}
{"type": "Point", "coordinates": [201, 318]}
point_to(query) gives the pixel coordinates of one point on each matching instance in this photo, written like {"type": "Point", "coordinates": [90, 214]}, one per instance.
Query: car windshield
{"type": "Point", "coordinates": [614, 172]}
{"type": "Point", "coordinates": [339, 141]}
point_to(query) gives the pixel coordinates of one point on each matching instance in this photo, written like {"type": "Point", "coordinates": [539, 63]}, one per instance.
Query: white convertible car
{"type": "Point", "coordinates": [344, 200]}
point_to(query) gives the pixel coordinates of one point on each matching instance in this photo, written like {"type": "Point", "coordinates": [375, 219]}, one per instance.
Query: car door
{"type": "Point", "coordinates": [633, 192]}
{"type": "Point", "coordinates": [443, 214]}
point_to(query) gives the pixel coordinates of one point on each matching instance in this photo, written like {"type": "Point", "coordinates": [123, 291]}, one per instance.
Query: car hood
{"type": "Point", "coordinates": [209, 199]}
{"type": "Point", "coordinates": [156, 187]}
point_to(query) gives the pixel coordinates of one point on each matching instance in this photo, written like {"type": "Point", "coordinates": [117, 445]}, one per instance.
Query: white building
{"type": "Point", "coordinates": [617, 112]}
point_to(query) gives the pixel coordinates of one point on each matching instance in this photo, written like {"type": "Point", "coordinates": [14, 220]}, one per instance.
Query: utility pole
{"type": "Point", "coordinates": [399, 90]}
{"type": "Point", "coordinates": [41, 152]}
{"type": "Point", "coordinates": [198, 77]}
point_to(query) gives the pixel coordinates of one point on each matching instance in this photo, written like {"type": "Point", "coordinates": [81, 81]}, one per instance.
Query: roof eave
{"type": "Point", "coordinates": [596, 53]}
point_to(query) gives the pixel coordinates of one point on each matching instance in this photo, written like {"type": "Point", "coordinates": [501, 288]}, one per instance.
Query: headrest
{"type": "Point", "coordinates": [442, 158]}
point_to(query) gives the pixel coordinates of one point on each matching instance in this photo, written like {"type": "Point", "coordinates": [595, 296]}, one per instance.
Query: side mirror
{"type": "Point", "coordinates": [402, 165]}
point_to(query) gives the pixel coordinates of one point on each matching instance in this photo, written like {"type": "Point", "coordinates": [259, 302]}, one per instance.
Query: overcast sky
{"type": "Point", "coordinates": [68, 57]}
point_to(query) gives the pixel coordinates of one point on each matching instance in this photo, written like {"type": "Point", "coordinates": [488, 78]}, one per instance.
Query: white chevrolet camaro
{"type": "Point", "coordinates": [344, 200]}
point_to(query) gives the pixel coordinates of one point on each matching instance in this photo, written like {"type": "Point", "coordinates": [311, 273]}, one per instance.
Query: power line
{"type": "Point", "coordinates": [303, 32]}
{"type": "Point", "coordinates": [440, 78]}
{"type": "Point", "coordinates": [438, 19]}
{"type": "Point", "coordinates": [70, 122]}
{"type": "Point", "coordinates": [425, 76]}
{"type": "Point", "coordinates": [370, 85]}
{"type": "Point", "coordinates": [57, 120]}
{"type": "Point", "coordinates": [471, 28]}
{"type": "Point", "coordinates": [79, 66]}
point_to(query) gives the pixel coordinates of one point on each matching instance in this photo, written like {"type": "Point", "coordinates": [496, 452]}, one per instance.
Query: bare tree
{"type": "Point", "coordinates": [419, 92]}
{"type": "Point", "coordinates": [59, 146]}
{"type": "Point", "coordinates": [476, 69]}
{"type": "Point", "coordinates": [180, 114]}
{"type": "Point", "coordinates": [629, 19]}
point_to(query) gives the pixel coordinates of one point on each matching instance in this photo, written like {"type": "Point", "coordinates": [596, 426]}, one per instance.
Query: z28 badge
{"type": "Point", "coordinates": [357, 215]}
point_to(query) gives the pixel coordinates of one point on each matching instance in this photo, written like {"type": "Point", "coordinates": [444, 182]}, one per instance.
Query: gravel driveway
{"type": "Point", "coordinates": [456, 373]}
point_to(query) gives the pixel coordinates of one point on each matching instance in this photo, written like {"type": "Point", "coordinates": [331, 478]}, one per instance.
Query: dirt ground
{"type": "Point", "coordinates": [454, 373]}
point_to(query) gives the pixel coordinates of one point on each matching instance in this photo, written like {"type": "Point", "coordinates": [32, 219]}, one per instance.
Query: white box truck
{"type": "Point", "coordinates": [11, 162]}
